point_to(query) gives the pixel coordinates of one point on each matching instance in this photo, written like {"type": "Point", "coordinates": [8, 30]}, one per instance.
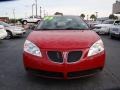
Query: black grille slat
{"type": "Point", "coordinates": [55, 56]}
{"type": "Point", "coordinates": [46, 73]}
{"type": "Point", "coordinates": [83, 73]}
{"type": "Point", "coordinates": [74, 56]}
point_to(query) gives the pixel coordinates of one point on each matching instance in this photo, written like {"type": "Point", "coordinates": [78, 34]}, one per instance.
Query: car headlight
{"type": "Point", "coordinates": [96, 48]}
{"type": "Point", "coordinates": [31, 48]}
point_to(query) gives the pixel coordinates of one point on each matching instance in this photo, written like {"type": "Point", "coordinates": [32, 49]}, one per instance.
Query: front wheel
{"type": "Point", "coordinates": [9, 35]}
{"type": "Point", "coordinates": [112, 37]}
{"type": "Point", "coordinates": [24, 22]}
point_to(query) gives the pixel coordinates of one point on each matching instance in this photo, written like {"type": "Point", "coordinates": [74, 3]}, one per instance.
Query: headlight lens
{"type": "Point", "coordinates": [31, 48]}
{"type": "Point", "coordinates": [96, 48]}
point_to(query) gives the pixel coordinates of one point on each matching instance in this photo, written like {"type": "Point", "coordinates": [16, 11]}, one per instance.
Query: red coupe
{"type": "Point", "coordinates": [63, 47]}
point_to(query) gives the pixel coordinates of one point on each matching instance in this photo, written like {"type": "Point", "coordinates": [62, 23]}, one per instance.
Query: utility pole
{"type": "Point", "coordinates": [40, 12]}
{"type": "Point", "coordinates": [36, 6]}
{"type": "Point", "coordinates": [32, 8]}
{"type": "Point", "coordinates": [96, 15]}
{"type": "Point", "coordinates": [87, 17]}
{"type": "Point", "coordinates": [14, 16]}
{"type": "Point", "coordinates": [44, 12]}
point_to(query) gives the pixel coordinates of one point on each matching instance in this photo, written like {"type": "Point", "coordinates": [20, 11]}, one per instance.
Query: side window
{"type": "Point", "coordinates": [35, 16]}
{"type": "Point", "coordinates": [117, 23]}
{"type": "Point", "coordinates": [31, 16]}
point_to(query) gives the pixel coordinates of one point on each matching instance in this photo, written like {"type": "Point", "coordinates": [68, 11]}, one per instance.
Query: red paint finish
{"type": "Point", "coordinates": [64, 41]}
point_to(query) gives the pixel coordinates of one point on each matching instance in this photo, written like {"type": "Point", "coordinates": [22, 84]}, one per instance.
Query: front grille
{"type": "Point", "coordinates": [83, 73]}
{"type": "Point", "coordinates": [46, 73]}
{"type": "Point", "coordinates": [74, 56]}
{"type": "Point", "coordinates": [115, 29]}
{"type": "Point", "coordinates": [97, 27]}
{"type": "Point", "coordinates": [55, 56]}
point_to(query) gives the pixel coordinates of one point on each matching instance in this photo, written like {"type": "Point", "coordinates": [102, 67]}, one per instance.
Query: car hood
{"type": "Point", "coordinates": [63, 39]}
{"type": "Point", "coordinates": [14, 27]}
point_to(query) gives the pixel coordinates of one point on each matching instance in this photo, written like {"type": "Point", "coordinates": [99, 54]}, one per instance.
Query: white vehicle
{"type": "Point", "coordinates": [105, 27]}
{"type": "Point", "coordinates": [13, 31]}
{"type": "Point", "coordinates": [31, 19]}
{"type": "Point", "coordinates": [3, 32]}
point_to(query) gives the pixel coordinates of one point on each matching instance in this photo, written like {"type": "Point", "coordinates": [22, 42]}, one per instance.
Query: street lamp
{"type": "Point", "coordinates": [40, 12]}
{"type": "Point", "coordinates": [36, 6]}
{"type": "Point", "coordinates": [14, 16]}
{"type": "Point", "coordinates": [44, 12]}
{"type": "Point", "coordinates": [96, 15]}
{"type": "Point", "coordinates": [87, 17]}
{"type": "Point", "coordinates": [32, 8]}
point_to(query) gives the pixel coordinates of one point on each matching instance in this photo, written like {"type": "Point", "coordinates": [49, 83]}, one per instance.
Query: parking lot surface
{"type": "Point", "coordinates": [13, 75]}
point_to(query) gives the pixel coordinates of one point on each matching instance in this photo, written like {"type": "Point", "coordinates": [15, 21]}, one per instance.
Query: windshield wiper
{"type": "Point", "coordinates": [63, 29]}
{"type": "Point", "coordinates": [75, 29]}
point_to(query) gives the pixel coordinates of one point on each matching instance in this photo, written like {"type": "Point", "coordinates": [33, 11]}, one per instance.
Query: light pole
{"type": "Point", "coordinates": [87, 17]}
{"type": "Point", "coordinates": [14, 16]}
{"type": "Point", "coordinates": [36, 6]}
{"type": "Point", "coordinates": [40, 12]}
{"type": "Point", "coordinates": [96, 15]}
{"type": "Point", "coordinates": [32, 8]}
{"type": "Point", "coordinates": [44, 12]}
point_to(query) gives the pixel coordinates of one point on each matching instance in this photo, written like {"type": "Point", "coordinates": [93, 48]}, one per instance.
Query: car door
{"type": "Point", "coordinates": [31, 18]}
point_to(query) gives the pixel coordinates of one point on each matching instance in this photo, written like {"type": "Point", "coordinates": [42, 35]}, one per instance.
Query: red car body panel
{"type": "Point", "coordinates": [64, 41]}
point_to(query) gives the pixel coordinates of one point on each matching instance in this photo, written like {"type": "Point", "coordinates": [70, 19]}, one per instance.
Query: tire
{"type": "Point", "coordinates": [38, 21]}
{"type": "Point", "coordinates": [9, 35]}
{"type": "Point", "coordinates": [25, 22]}
{"type": "Point", "coordinates": [112, 37]}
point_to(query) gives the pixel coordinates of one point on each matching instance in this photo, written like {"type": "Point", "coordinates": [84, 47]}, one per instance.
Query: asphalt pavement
{"type": "Point", "coordinates": [14, 77]}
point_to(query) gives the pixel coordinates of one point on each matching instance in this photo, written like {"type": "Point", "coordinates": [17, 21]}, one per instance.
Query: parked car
{"type": "Point", "coordinates": [115, 33]}
{"type": "Point", "coordinates": [105, 27]}
{"type": "Point", "coordinates": [13, 31]}
{"type": "Point", "coordinates": [3, 32]}
{"type": "Point", "coordinates": [31, 19]}
{"type": "Point", "coordinates": [63, 47]}
{"type": "Point", "coordinates": [92, 23]}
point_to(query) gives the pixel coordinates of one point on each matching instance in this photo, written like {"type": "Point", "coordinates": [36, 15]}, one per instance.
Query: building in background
{"type": "Point", "coordinates": [116, 7]}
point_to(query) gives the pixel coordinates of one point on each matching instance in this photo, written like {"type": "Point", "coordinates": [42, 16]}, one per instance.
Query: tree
{"type": "Point", "coordinates": [112, 16]}
{"type": "Point", "coordinates": [82, 16]}
{"type": "Point", "coordinates": [58, 13]}
{"type": "Point", "coordinates": [93, 17]}
{"type": "Point", "coordinates": [116, 17]}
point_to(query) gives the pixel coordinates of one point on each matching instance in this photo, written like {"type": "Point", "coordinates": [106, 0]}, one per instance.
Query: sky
{"type": "Point", "coordinates": [23, 8]}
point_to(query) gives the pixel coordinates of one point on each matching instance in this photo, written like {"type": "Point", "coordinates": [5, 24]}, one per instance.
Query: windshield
{"type": "Point", "coordinates": [108, 22]}
{"type": "Point", "coordinates": [4, 24]}
{"type": "Point", "coordinates": [62, 23]}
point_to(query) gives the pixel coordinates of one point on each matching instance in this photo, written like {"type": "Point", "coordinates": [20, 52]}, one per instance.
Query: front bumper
{"type": "Point", "coordinates": [44, 67]}
{"type": "Point", "coordinates": [102, 30]}
{"type": "Point", "coordinates": [18, 33]}
{"type": "Point", "coordinates": [115, 35]}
